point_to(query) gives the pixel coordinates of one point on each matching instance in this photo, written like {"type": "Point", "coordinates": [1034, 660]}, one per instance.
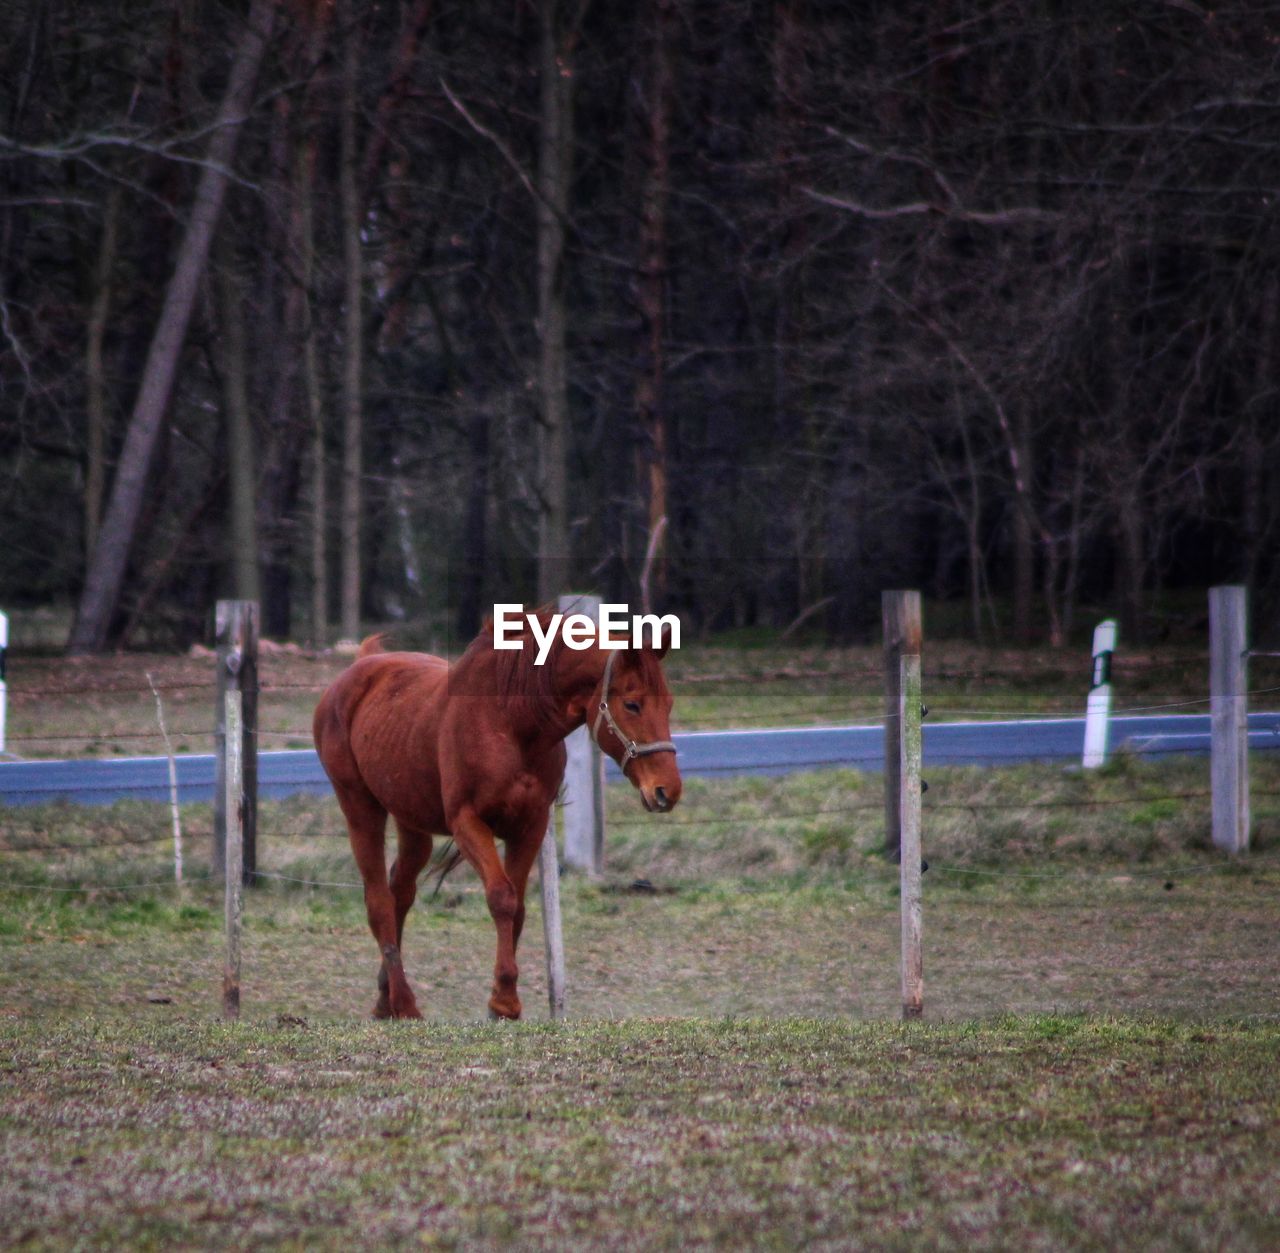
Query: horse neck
{"type": "Point", "coordinates": [547, 704]}
{"type": "Point", "coordinates": [575, 676]}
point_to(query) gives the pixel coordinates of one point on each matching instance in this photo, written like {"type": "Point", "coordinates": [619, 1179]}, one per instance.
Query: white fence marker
{"type": "Point", "coordinates": [1097, 719]}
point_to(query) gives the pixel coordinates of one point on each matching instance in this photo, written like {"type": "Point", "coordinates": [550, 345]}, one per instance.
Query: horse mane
{"type": "Point", "coordinates": [528, 690]}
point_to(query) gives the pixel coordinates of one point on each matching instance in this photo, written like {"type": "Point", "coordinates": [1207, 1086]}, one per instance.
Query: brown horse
{"type": "Point", "coordinates": [476, 751]}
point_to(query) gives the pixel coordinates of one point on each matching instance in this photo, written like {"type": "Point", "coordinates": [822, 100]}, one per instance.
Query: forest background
{"type": "Point", "coordinates": [386, 311]}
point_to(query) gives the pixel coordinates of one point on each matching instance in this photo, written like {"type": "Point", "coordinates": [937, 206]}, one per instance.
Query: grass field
{"type": "Point", "coordinates": [1042, 1132]}
{"type": "Point", "coordinates": [1097, 1069]}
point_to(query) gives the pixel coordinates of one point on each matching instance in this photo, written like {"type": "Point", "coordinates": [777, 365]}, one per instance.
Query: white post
{"type": "Point", "coordinates": [4, 687]}
{"type": "Point", "coordinates": [553, 934]}
{"type": "Point", "coordinates": [233, 898]}
{"type": "Point", "coordinates": [1097, 718]}
{"type": "Point", "coordinates": [582, 813]}
{"type": "Point", "coordinates": [1229, 718]}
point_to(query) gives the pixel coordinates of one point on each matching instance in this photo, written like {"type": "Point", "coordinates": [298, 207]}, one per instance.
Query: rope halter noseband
{"type": "Point", "coordinates": [630, 747]}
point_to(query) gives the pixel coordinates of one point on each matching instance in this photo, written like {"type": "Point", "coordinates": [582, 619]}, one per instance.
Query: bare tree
{"type": "Point", "coordinates": [111, 553]}
{"type": "Point", "coordinates": [242, 464]}
{"type": "Point", "coordinates": [656, 97]}
{"type": "Point", "coordinates": [556, 40]}
{"type": "Point", "coordinates": [353, 330]}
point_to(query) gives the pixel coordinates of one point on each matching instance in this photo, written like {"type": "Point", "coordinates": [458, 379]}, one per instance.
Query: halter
{"type": "Point", "coordinates": [630, 747]}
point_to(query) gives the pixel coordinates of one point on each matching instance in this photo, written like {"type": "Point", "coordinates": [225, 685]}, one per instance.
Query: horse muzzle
{"type": "Point", "coordinates": [660, 799]}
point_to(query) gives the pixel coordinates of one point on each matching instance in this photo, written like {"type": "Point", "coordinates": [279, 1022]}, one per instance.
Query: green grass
{"type": "Point", "coordinates": [1096, 1070]}
{"type": "Point", "coordinates": [1041, 1132]}
{"type": "Point", "coordinates": [1047, 889]}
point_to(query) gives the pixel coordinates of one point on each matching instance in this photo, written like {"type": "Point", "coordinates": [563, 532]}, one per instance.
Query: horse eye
{"type": "Point", "coordinates": [631, 706]}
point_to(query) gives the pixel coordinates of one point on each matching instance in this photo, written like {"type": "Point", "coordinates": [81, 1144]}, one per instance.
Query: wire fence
{"type": "Point", "coordinates": [303, 843]}
{"type": "Point", "coordinates": [753, 696]}
{"type": "Point", "coordinates": [776, 695]}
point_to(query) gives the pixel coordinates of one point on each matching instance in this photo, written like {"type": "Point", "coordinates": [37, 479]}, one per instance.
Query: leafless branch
{"type": "Point", "coordinates": [493, 137]}
{"type": "Point", "coordinates": [650, 555]}
{"type": "Point", "coordinates": [916, 208]}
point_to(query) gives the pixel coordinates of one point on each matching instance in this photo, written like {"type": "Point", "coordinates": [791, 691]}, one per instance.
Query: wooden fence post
{"type": "Point", "coordinates": [1229, 717]}
{"type": "Point", "coordinates": [1097, 718]}
{"type": "Point", "coordinates": [552, 931]}
{"type": "Point", "coordinates": [904, 748]}
{"type": "Point", "coordinates": [236, 636]}
{"type": "Point", "coordinates": [582, 814]}
{"type": "Point", "coordinates": [891, 610]}
{"type": "Point", "coordinates": [233, 891]}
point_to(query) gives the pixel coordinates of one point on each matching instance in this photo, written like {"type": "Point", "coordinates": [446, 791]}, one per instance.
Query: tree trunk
{"type": "Point", "coordinates": [242, 533]}
{"type": "Point", "coordinates": [105, 575]}
{"type": "Point", "coordinates": [279, 351]}
{"type": "Point", "coordinates": [1024, 553]}
{"type": "Point", "coordinates": [1254, 521]}
{"type": "Point", "coordinates": [315, 402]}
{"type": "Point", "coordinates": [1075, 541]}
{"type": "Point", "coordinates": [352, 362]}
{"type": "Point", "coordinates": [1131, 568]}
{"type": "Point", "coordinates": [555, 147]}
{"type": "Point", "coordinates": [475, 524]}
{"type": "Point", "coordinates": [96, 388]}
{"type": "Point", "coordinates": [413, 23]}
{"type": "Point", "coordinates": [974, 558]}
{"type": "Point", "coordinates": [650, 386]}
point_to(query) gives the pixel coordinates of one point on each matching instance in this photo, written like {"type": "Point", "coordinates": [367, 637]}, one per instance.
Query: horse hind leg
{"type": "Point", "coordinates": [412, 854]}
{"type": "Point", "coordinates": [367, 826]}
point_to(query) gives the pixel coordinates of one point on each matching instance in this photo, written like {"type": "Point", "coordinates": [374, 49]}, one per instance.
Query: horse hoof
{"type": "Point", "coordinates": [382, 1012]}
{"type": "Point", "coordinates": [495, 1016]}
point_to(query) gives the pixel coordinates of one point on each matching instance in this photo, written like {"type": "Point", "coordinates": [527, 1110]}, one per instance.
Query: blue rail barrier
{"type": "Point", "coordinates": [715, 754]}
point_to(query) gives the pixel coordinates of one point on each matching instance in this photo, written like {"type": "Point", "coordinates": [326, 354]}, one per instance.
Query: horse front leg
{"type": "Point", "coordinates": [475, 840]}
{"type": "Point", "coordinates": [522, 852]}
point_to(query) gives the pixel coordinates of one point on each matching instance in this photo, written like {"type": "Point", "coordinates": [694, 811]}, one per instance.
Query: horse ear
{"type": "Point", "coordinates": [664, 641]}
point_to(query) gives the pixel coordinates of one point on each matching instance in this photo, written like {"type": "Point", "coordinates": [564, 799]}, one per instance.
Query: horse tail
{"type": "Point", "coordinates": [371, 644]}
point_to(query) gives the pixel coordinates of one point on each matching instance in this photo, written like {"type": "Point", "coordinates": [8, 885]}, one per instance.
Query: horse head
{"type": "Point", "coordinates": [630, 719]}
